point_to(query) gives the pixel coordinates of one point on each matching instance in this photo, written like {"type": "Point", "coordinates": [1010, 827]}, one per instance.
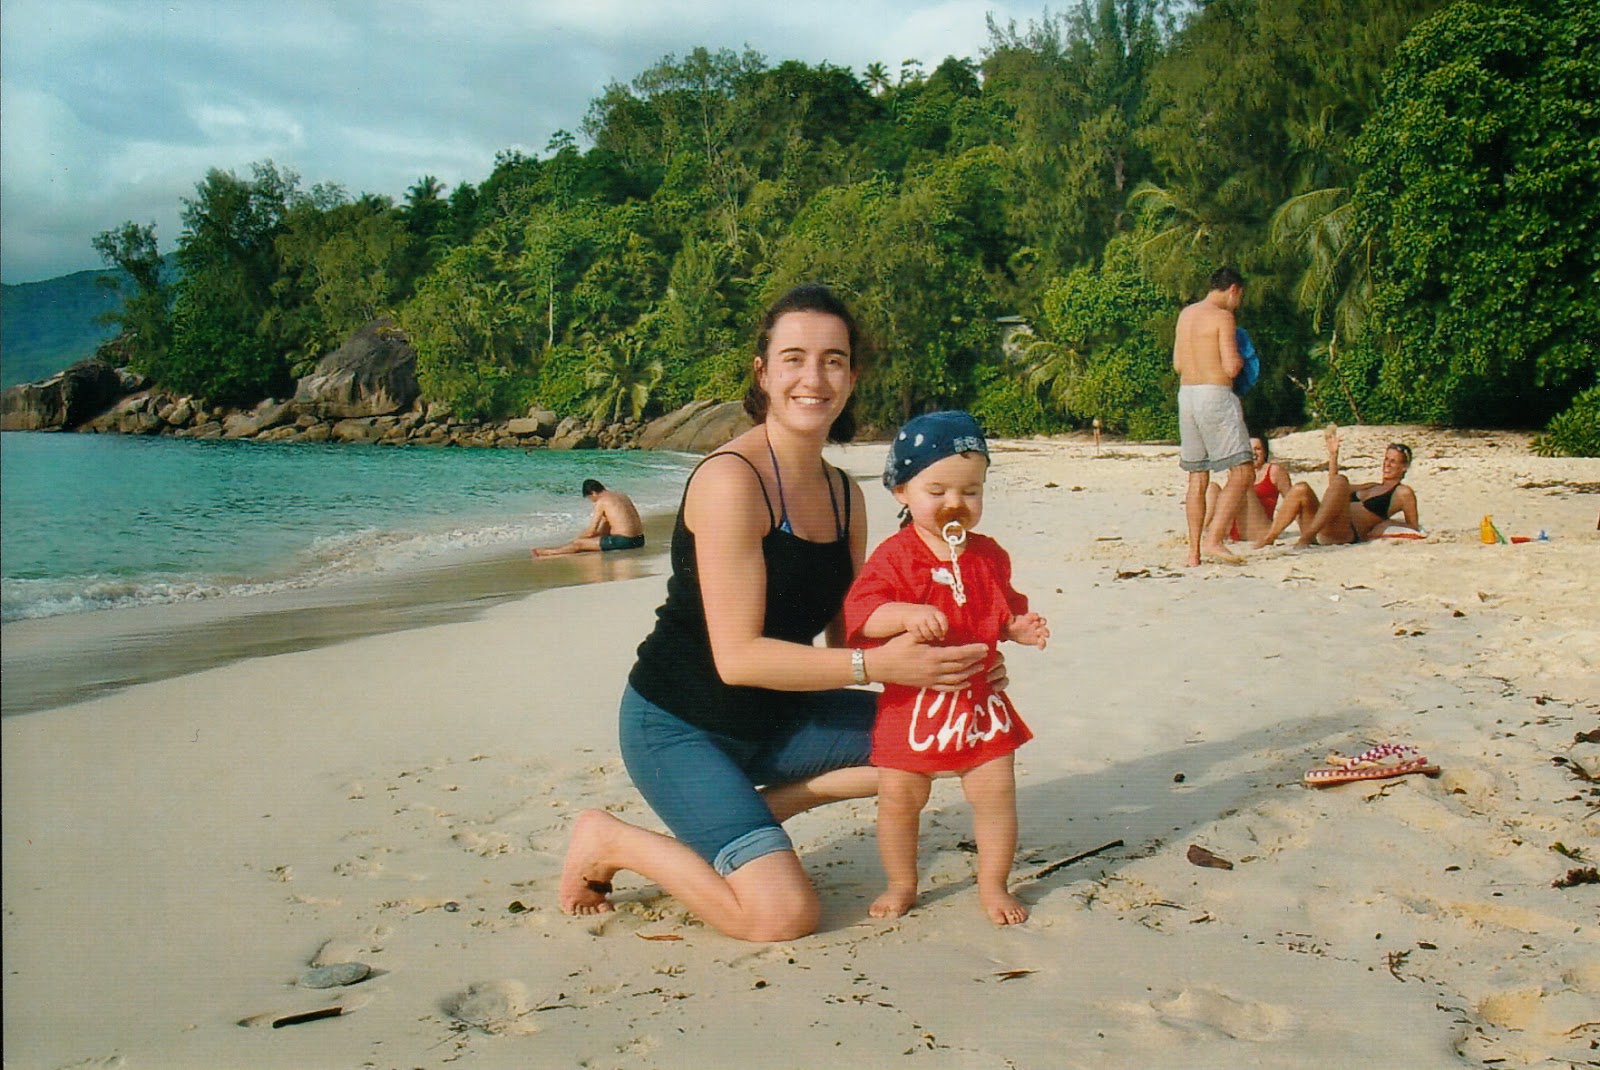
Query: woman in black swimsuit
{"type": "Point", "coordinates": [733, 721]}
{"type": "Point", "coordinates": [1349, 513]}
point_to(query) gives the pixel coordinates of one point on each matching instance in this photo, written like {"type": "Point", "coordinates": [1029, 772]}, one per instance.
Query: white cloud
{"type": "Point", "coordinates": [114, 110]}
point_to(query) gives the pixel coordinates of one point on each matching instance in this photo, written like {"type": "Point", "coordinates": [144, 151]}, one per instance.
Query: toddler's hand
{"type": "Point", "coordinates": [1030, 629]}
{"type": "Point", "coordinates": [926, 624]}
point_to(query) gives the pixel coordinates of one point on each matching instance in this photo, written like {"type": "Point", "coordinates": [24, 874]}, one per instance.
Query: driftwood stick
{"type": "Point", "coordinates": [308, 1016]}
{"type": "Point", "coordinates": [1079, 857]}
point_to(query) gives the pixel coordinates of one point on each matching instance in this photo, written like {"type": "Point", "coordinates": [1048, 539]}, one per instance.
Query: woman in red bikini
{"type": "Point", "coordinates": [1255, 511]}
{"type": "Point", "coordinates": [1350, 513]}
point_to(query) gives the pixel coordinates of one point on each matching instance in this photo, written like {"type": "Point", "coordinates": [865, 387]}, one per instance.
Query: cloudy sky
{"type": "Point", "coordinates": [112, 110]}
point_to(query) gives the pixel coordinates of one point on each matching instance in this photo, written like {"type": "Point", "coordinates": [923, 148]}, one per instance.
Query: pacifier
{"type": "Point", "coordinates": [953, 526]}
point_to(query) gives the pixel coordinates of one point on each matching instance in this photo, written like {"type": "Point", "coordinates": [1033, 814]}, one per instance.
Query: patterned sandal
{"type": "Point", "coordinates": [1370, 765]}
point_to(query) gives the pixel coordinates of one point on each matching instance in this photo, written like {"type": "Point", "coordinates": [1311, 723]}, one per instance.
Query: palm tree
{"type": "Point", "coordinates": [1178, 236]}
{"type": "Point", "coordinates": [621, 376]}
{"type": "Point", "coordinates": [876, 76]}
{"type": "Point", "coordinates": [1322, 228]}
{"type": "Point", "coordinates": [1053, 368]}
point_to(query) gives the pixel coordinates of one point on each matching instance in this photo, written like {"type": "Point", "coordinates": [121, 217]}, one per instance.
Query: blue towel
{"type": "Point", "coordinates": [1252, 363]}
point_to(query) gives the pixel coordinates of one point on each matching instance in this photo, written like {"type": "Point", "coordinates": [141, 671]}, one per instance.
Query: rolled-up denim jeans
{"type": "Point", "coordinates": [702, 784]}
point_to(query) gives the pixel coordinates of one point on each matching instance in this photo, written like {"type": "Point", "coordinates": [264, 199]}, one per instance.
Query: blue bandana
{"type": "Point", "coordinates": [928, 439]}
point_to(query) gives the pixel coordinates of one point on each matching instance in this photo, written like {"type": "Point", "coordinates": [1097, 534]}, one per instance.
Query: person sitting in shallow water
{"type": "Point", "coordinates": [614, 525]}
{"type": "Point", "coordinates": [1349, 513]}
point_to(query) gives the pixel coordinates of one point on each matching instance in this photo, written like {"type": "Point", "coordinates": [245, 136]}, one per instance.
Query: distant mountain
{"type": "Point", "coordinates": [45, 326]}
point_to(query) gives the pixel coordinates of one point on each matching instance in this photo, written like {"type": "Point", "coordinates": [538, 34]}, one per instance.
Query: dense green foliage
{"type": "Point", "coordinates": [1409, 186]}
{"type": "Point", "coordinates": [1482, 172]}
{"type": "Point", "coordinates": [1575, 432]}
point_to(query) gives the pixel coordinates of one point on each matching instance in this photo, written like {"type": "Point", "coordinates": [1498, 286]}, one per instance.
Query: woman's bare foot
{"type": "Point", "coordinates": [585, 878]}
{"type": "Point", "coordinates": [893, 903]}
{"type": "Point", "coordinates": [1002, 907]}
{"type": "Point", "coordinates": [1221, 555]}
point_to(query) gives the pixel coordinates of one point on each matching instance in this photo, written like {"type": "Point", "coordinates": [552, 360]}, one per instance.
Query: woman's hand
{"type": "Point", "coordinates": [903, 660]}
{"type": "Point", "coordinates": [998, 680]}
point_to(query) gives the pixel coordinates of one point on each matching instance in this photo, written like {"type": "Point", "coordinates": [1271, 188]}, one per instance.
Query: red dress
{"type": "Point", "coordinates": [918, 729]}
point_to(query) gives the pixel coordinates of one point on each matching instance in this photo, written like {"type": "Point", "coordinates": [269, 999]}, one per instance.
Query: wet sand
{"type": "Point", "coordinates": [54, 661]}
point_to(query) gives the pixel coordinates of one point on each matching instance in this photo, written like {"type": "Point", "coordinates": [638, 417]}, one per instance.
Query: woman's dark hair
{"type": "Point", "coordinates": [1266, 446]}
{"type": "Point", "coordinates": [807, 297]}
{"type": "Point", "coordinates": [592, 486]}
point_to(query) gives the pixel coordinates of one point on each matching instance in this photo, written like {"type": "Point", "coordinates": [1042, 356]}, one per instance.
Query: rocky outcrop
{"type": "Point", "coordinates": [264, 417]}
{"type": "Point", "coordinates": [373, 374]}
{"type": "Point", "coordinates": [698, 427]}
{"type": "Point", "coordinates": [63, 401]}
{"type": "Point", "coordinates": [364, 392]}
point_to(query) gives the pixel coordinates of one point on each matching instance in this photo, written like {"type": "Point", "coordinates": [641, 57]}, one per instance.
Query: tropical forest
{"type": "Point", "coordinates": [1411, 189]}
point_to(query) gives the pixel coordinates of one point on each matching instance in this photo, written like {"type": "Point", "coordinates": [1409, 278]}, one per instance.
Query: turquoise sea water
{"type": "Point", "coordinates": [91, 522]}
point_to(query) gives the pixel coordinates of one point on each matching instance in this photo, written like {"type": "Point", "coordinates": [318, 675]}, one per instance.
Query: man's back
{"type": "Point", "coordinates": [621, 516]}
{"type": "Point", "coordinates": [1204, 350]}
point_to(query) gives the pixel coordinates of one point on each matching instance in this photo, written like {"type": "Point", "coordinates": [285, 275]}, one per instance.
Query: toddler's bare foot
{"type": "Point", "coordinates": [893, 903]}
{"type": "Point", "coordinates": [585, 879]}
{"type": "Point", "coordinates": [1002, 907]}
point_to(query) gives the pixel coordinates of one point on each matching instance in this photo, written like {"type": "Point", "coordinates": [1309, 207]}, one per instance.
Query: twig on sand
{"type": "Point", "coordinates": [1079, 857]}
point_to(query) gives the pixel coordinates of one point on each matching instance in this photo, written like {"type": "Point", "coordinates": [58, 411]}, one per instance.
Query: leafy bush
{"type": "Point", "coordinates": [1576, 432]}
{"type": "Point", "coordinates": [1115, 322]}
{"type": "Point", "coordinates": [1004, 405]}
{"type": "Point", "coordinates": [560, 384]}
{"type": "Point", "coordinates": [1480, 181]}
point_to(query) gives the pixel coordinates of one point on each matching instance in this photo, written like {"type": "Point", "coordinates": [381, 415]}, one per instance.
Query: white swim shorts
{"type": "Point", "coordinates": [1212, 436]}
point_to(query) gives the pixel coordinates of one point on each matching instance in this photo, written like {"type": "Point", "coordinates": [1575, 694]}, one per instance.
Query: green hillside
{"type": "Point", "coordinates": [45, 326]}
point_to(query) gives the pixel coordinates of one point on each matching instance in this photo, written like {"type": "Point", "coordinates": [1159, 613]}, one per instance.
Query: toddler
{"type": "Point", "coordinates": [944, 584]}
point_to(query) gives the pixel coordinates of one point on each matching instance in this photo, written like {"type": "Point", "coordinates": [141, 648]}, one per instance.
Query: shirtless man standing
{"type": "Point", "coordinates": [614, 524]}
{"type": "Point", "coordinates": [1211, 427]}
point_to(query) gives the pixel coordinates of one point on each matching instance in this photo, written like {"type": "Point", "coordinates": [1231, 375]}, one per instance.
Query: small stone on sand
{"type": "Point", "coordinates": [335, 975]}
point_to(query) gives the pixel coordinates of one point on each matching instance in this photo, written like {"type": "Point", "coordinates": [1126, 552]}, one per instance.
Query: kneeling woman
{"type": "Point", "coordinates": [1349, 513]}
{"type": "Point", "coordinates": [733, 721]}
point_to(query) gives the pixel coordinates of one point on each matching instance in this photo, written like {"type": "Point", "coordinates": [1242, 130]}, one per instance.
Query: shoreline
{"type": "Point", "coordinates": [403, 800]}
{"type": "Point", "coordinates": [59, 660]}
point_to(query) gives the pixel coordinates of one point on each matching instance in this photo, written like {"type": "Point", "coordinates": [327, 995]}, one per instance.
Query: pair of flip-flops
{"type": "Point", "coordinates": [1376, 763]}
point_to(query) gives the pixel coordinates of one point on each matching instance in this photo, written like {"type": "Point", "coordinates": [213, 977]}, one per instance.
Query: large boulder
{"type": "Point", "coordinates": [264, 417]}
{"type": "Point", "coordinates": [65, 400]}
{"type": "Point", "coordinates": [539, 421]}
{"type": "Point", "coordinates": [373, 374]}
{"type": "Point", "coordinates": [574, 433]}
{"type": "Point", "coordinates": [698, 427]}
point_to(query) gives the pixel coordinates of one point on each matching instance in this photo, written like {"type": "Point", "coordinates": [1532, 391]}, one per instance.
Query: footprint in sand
{"type": "Point", "coordinates": [496, 1007]}
{"type": "Point", "coordinates": [485, 845]}
{"type": "Point", "coordinates": [1211, 1010]}
{"type": "Point", "coordinates": [366, 865]}
{"type": "Point", "coordinates": [350, 949]}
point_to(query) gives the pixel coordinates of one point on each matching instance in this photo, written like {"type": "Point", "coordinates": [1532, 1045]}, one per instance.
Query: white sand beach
{"type": "Point", "coordinates": [178, 853]}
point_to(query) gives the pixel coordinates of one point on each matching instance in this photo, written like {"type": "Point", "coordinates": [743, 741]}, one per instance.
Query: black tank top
{"type": "Point", "coordinates": [806, 585]}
